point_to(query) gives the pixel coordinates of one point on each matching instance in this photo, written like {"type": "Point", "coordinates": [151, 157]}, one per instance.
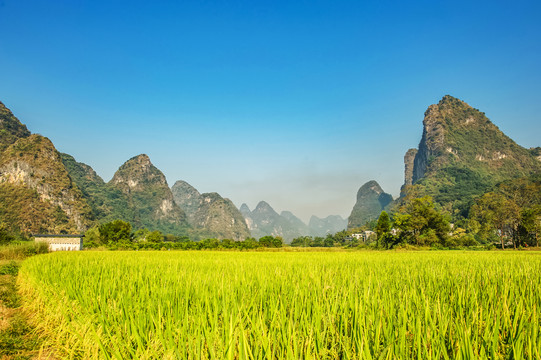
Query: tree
{"type": "Point", "coordinates": [155, 237]}
{"type": "Point", "coordinates": [329, 241]}
{"type": "Point", "coordinates": [421, 223]}
{"type": "Point", "coordinates": [318, 242]}
{"type": "Point", "coordinates": [141, 235]}
{"type": "Point", "coordinates": [249, 243]}
{"type": "Point", "coordinates": [495, 213]}
{"type": "Point", "coordinates": [302, 241]}
{"type": "Point", "coordinates": [92, 237]}
{"type": "Point", "coordinates": [278, 242]}
{"type": "Point", "coordinates": [531, 222]}
{"type": "Point", "coordinates": [115, 231]}
{"type": "Point", "coordinates": [383, 227]}
{"type": "Point", "coordinates": [271, 241]}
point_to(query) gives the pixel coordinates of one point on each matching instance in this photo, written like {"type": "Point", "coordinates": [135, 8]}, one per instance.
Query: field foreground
{"type": "Point", "coordinates": [233, 305]}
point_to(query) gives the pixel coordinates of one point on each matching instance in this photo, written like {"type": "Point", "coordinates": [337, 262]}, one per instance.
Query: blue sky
{"type": "Point", "coordinates": [297, 103]}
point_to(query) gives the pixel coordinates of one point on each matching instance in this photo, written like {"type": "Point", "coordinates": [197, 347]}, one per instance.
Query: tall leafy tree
{"type": "Point", "coordinates": [421, 223]}
{"type": "Point", "coordinates": [531, 222]}
{"type": "Point", "coordinates": [495, 213]}
{"type": "Point", "coordinates": [383, 227]}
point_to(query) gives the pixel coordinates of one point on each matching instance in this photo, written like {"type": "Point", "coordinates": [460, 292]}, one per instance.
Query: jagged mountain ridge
{"type": "Point", "coordinates": [461, 155]}
{"type": "Point", "coordinates": [264, 220]}
{"type": "Point", "coordinates": [329, 225]}
{"type": "Point", "coordinates": [212, 214]}
{"type": "Point", "coordinates": [138, 193]}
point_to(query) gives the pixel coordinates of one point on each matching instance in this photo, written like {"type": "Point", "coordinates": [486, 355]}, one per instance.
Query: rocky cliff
{"type": "Point", "coordinates": [36, 193]}
{"type": "Point", "coordinates": [209, 213]}
{"type": "Point", "coordinates": [148, 196]}
{"type": "Point", "coordinates": [462, 154]}
{"type": "Point", "coordinates": [409, 161]}
{"type": "Point", "coordinates": [371, 201]}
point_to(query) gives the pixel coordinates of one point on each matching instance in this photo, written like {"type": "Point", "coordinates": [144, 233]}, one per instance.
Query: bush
{"type": "Point", "coordinates": [23, 250]}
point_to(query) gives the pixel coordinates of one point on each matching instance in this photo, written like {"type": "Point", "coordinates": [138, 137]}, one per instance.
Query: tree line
{"type": "Point", "coordinates": [118, 235]}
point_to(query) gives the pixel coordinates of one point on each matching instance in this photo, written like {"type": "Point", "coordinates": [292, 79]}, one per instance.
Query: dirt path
{"type": "Point", "coordinates": [17, 340]}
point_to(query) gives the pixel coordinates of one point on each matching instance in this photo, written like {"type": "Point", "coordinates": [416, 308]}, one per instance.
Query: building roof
{"type": "Point", "coordinates": [57, 235]}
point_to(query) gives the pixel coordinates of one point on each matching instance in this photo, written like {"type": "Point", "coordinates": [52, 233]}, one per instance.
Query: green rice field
{"type": "Point", "coordinates": [286, 305]}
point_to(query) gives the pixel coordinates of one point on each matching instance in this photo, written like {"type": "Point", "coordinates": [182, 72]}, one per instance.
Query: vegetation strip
{"type": "Point", "coordinates": [17, 341]}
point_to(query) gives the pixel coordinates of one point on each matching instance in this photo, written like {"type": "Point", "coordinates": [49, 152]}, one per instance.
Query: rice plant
{"type": "Point", "coordinates": [324, 305]}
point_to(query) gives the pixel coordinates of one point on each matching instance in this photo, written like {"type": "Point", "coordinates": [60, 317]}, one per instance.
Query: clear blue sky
{"type": "Point", "coordinates": [294, 102]}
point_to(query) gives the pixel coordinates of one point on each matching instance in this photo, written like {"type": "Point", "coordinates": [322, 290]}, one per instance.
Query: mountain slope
{"type": "Point", "coordinates": [462, 154]}
{"type": "Point", "coordinates": [210, 214]}
{"type": "Point", "coordinates": [295, 222]}
{"type": "Point", "coordinates": [187, 198]}
{"type": "Point", "coordinates": [11, 129]}
{"type": "Point", "coordinates": [371, 201]}
{"type": "Point", "coordinates": [107, 202]}
{"type": "Point", "coordinates": [36, 192]}
{"type": "Point", "coordinates": [220, 217]}
{"type": "Point", "coordinates": [149, 196]}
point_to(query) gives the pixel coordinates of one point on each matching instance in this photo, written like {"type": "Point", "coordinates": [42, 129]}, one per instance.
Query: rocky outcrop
{"type": "Point", "coordinates": [32, 165]}
{"type": "Point", "coordinates": [371, 201]}
{"type": "Point", "coordinates": [461, 155]}
{"type": "Point", "coordinates": [213, 215]}
{"type": "Point", "coordinates": [432, 141]}
{"type": "Point", "coordinates": [409, 160]}
{"type": "Point", "coordinates": [148, 196]}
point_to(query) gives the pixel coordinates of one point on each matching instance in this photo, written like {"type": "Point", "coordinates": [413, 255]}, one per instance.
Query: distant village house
{"type": "Point", "coordinates": [61, 242]}
{"type": "Point", "coordinates": [364, 236]}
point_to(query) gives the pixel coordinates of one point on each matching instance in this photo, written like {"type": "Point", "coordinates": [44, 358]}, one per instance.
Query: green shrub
{"type": "Point", "coordinates": [23, 250]}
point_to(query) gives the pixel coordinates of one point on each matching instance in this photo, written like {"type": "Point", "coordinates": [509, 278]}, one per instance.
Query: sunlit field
{"type": "Point", "coordinates": [285, 305]}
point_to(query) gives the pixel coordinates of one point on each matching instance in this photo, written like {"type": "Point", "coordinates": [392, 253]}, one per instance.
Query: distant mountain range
{"type": "Point", "coordinates": [462, 155]}
{"type": "Point", "coordinates": [44, 191]}
{"type": "Point", "coordinates": [263, 220]}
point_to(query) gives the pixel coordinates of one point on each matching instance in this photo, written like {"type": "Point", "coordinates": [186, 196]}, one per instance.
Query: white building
{"type": "Point", "coordinates": [364, 236]}
{"type": "Point", "coordinates": [61, 242]}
